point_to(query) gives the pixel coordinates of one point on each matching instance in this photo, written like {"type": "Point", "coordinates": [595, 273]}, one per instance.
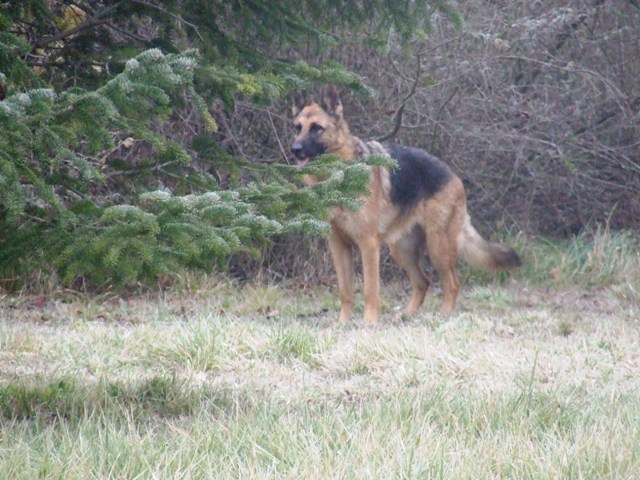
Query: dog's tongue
{"type": "Point", "coordinates": [302, 161]}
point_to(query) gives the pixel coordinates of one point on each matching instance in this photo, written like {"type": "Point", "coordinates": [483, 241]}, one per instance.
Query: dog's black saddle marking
{"type": "Point", "coordinates": [418, 176]}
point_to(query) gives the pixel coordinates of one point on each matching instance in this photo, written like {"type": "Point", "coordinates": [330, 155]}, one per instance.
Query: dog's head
{"type": "Point", "coordinates": [320, 127]}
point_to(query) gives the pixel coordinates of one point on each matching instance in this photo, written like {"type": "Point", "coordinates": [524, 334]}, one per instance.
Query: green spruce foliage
{"type": "Point", "coordinates": [94, 182]}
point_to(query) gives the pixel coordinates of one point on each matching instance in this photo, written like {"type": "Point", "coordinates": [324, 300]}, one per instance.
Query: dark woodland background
{"type": "Point", "coordinates": [534, 104]}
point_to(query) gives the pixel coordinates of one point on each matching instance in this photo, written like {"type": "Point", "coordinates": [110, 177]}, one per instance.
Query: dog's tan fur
{"type": "Point", "coordinates": [440, 222]}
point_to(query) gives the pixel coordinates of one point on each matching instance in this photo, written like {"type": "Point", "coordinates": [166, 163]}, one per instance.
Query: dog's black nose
{"type": "Point", "coordinates": [296, 149]}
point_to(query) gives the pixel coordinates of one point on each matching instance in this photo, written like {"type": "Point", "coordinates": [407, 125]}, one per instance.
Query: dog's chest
{"type": "Point", "coordinates": [348, 222]}
{"type": "Point", "coordinates": [377, 215]}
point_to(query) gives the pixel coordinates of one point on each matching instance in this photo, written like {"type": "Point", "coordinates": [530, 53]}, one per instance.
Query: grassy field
{"type": "Point", "coordinates": [536, 376]}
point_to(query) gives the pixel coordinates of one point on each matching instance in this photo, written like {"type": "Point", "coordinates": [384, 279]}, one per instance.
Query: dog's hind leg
{"type": "Point", "coordinates": [408, 251]}
{"type": "Point", "coordinates": [442, 255]}
{"type": "Point", "coordinates": [442, 244]}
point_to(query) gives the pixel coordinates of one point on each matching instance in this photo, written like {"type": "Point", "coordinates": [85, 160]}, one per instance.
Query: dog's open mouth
{"type": "Point", "coordinates": [302, 161]}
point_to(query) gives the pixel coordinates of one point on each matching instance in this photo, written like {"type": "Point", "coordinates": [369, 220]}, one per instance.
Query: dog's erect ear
{"type": "Point", "coordinates": [299, 102]}
{"type": "Point", "coordinates": [330, 100]}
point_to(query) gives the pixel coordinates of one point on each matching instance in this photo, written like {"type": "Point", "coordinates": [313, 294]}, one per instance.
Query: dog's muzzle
{"type": "Point", "coordinates": [298, 151]}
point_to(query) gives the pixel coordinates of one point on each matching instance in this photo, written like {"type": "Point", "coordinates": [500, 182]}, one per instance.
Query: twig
{"type": "Point", "coordinates": [397, 117]}
{"type": "Point", "coordinates": [275, 131]}
{"type": "Point", "coordinates": [98, 19]}
{"type": "Point", "coordinates": [171, 14]}
{"type": "Point", "coordinates": [130, 35]}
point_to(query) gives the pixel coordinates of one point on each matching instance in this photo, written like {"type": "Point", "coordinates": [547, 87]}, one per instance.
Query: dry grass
{"type": "Point", "coordinates": [212, 381]}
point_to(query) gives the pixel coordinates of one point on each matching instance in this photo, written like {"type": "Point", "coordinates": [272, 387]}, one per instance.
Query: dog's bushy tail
{"type": "Point", "coordinates": [480, 253]}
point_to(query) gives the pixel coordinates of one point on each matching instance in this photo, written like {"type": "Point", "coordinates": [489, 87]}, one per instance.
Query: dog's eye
{"type": "Point", "coordinates": [298, 127]}
{"type": "Point", "coordinates": [315, 128]}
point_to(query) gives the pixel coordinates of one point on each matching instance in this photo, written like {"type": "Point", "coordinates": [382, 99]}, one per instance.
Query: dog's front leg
{"type": "Point", "coordinates": [343, 262]}
{"type": "Point", "coordinates": [370, 250]}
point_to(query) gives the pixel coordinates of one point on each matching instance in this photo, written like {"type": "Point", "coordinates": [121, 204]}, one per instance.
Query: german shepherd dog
{"type": "Point", "coordinates": [419, 204]}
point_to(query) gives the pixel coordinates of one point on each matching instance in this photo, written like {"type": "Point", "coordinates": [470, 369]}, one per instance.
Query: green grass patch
{"type": "Point", "coordinates": [600, 258]}
{"type": "Point", "coordinates": [73, 400]}
{"type": "Point", "coordinates": [437, 434]}
{"type": "Point", "coordinates": [196, 346]}
{"type": "Point", "coordinates": [295, 344]}
{"type": "Point", "coordinates": [60, 398]}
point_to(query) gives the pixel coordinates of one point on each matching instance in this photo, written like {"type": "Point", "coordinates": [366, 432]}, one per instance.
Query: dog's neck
{"type": "Point", "coordinates": [342, 143]}
{"type": "Point", "coordinates": [355, 148]}
{"type": "Point", "coordinates": [351, 151]}
{"type": "Point", "coordinates": [348, 152]}
{"type": "Point", "coordinates": [372, 147]}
